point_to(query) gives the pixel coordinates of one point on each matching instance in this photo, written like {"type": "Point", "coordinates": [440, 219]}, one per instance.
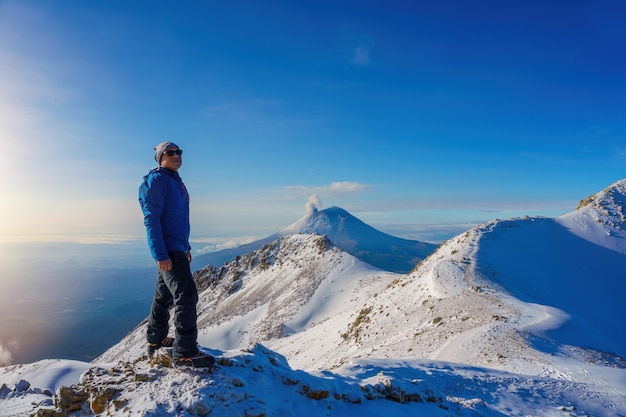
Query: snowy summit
{"type": "Point", "coordinates": [518, 317]}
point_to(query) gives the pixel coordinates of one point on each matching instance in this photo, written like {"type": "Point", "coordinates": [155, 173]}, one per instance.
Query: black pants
{"type": "Point", "coordinates": [175, 288]}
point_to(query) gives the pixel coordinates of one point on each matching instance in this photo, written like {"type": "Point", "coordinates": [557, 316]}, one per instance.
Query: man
{"type": "Point", "coordinates": [165, 204]}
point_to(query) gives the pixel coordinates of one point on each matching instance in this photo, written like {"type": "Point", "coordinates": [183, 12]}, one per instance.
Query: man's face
{"type": "Point", "coordinates": [173, 161]}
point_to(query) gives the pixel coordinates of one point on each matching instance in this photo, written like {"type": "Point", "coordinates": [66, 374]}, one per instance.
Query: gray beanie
{"type": "Point", "coordinates": [160, 149]}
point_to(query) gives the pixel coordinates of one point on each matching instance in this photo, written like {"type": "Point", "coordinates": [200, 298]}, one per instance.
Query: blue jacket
{"type": "Point", "coordinates": [165, 204]}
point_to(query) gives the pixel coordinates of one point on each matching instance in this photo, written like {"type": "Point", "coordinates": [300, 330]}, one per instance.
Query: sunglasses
{"type": "Point", "coordinates": [178, 152]}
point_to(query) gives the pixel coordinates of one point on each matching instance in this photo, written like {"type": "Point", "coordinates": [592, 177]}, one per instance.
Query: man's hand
{"type": "Point", "coordinates": [189, 256]}
{"type": "Point", "coordinates": [165, 265]}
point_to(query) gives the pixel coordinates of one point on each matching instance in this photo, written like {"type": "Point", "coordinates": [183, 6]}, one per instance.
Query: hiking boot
{"type": "Point", "coordinates": [153, 347]}
{"type": "Point", "coordinates": [199, 360]}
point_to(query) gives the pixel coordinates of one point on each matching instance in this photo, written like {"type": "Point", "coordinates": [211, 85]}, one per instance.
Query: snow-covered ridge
{"type": "Point", "coordinates": [600, 217]}
{"type": "Point", "coordinates": [283, 288]}
{"type": "Point", "coordinates": [608, 204]}
{"type": "Point", "coordinates": [273, 292]}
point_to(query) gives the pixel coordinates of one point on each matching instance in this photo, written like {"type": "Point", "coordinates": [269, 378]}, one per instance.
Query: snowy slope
{"type": "Point", "coordinates": [281, 289]}
{"type": "Point", "coordinates": [346, 232]}
{"type": "Point", "coordinates": [509, 294]}
{"type": "Point", "coordinates": [512, 318]}
{"type": "Point", "coordinates": [488, 297]}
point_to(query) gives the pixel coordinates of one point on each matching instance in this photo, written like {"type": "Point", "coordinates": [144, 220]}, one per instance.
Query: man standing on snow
{"type": "Point", "coordinates": [165, 204]}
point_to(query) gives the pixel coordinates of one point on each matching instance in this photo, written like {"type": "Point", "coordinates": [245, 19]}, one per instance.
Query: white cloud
{"type": "Point", "coordinates": [218, 244]}
{"type": "Point", "coordinates": [345, 187]}
{"type": "Point", "coordinates": [334, 189]}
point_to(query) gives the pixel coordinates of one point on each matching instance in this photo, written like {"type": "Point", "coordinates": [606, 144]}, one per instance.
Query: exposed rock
{"type": "Point", "coordinates": [69, 399]}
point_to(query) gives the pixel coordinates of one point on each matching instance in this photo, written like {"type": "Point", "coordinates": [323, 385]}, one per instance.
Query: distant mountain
{"type": "Point", "coordinates": [348, 233]}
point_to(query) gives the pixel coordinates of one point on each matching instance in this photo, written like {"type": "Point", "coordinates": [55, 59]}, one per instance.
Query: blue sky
{"type": "Point", "coordinates": [410, 115]}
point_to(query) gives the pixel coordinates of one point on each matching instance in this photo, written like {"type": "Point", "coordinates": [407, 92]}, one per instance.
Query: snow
{"type": "Point", "coordinates": [32, 384]}
{"type": "Point", "coordinates": [258, 381]}
{"type": "Point", "coordinates": [233, 333]}
{"type": "Point", "coordinates": [517, 317]}
{"type": "Point", "coordinates": [48, 374]}
{"type": "Point", "coordinates": [534, 268]}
